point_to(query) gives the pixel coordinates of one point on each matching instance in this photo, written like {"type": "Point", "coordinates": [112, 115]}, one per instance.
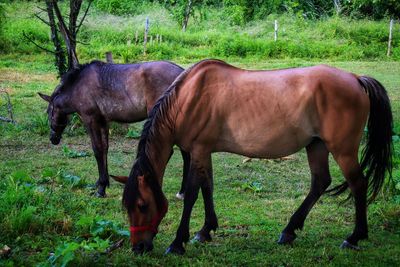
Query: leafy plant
{"type": "Point", "coordinates": [133, 133]}
{"type": "Point", "coordinates": [101, 228]}
{"type": "Point", "coordinates": [255, 187]}
{"type": "Point", "coordinates": [67, 251]}
{"type": "Point", "coordinates": [101, 232]}
{"type": "Point", "coordinates": [71, 153]}
{"type": "Point", "coordinates": [70, 179]}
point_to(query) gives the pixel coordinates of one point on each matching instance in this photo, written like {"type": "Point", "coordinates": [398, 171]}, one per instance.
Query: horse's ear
{"type": "Point", "coordinates": [45, 97]}
{"type": "Point", "coordinates": [121, 179]}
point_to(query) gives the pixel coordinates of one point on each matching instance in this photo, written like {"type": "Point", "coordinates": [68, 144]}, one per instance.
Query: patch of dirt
{"type": "Point", "coordinates": [14, 76]}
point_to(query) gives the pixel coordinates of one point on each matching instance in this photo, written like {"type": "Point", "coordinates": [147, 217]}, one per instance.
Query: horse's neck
{"type": "Point", "coordinates": [159, 151]}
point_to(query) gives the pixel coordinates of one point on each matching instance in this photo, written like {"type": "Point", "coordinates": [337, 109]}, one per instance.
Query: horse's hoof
{"type": "Point", "coordinates": [180, 196]}
{"type": "Point", "coordinates": [347, 245]}
{"type": "Point", "coordinates": [178, 250]}
{"type": "Point", "coordinates": [201, 237]}
{"type": "Point", "coordinates": [100, 194]}
{"type": "Point", "coordinates": [286, 238]}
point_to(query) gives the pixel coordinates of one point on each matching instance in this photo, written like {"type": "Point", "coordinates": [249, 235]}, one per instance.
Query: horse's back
{"type": "Point", "coordinates": [127, 92]}
{"type": "Point", "coordinates": [263, 113]}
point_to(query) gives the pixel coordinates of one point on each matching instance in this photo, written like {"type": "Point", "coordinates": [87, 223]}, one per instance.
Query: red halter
{"type": "Point", "coordinates": [153, 227]}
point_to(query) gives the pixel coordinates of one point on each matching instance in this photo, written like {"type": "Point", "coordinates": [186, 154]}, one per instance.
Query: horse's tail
{"type": "Point", "coordinates": [376, 156]}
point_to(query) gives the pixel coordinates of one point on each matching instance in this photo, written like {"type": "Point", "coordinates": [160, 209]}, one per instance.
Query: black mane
{"type": "Point", "coordinates": [142, 165]}
{"type": "Point", "coordinates": [70, 77]}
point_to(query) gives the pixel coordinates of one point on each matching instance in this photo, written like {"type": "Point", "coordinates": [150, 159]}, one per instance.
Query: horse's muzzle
{"type": "Point", "coordinates": [54, 138]}
{"type": "Point", "coordinates": [143, 247]}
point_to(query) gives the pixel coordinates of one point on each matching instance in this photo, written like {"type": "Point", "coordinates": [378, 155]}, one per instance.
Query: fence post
{"type": "Point", "coordinates": [136, 37]}
{"type": "Point", "coordinates": [276, 31]}
{"type": "Point", "coordinates": [109, 57]}
{"type": "Point", "coordinates": [146, 31]}
{"type": "Point", "coordinates": [390, 37]}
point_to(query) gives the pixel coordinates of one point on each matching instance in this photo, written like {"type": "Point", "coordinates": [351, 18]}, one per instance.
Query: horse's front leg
{"type": "Point", "coordinates": [186, 164]}
{"type": "Point", "coordinates": [98, 130]}
{"type": "Point", "coordinates": [197, 176]}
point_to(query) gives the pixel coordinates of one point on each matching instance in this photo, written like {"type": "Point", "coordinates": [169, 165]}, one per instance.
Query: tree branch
{"type": "Point", "coordinates": [9, 108]}
{"type": "Point", "coordinates": [84, 16]}
{"type": "Point", "coordinates": [83, 43]}
{"type": "Point", "coordinates": [42, 20]}
{"type": "Point", "coordinates": [6, 119]}
{"type": "Point", "coordinates": [42, 9]}
{"type": "Point", "coordinates": [33, 42]}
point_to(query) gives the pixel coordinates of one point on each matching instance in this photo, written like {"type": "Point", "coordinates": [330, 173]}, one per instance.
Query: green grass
{"type": "Point", "coordinates": [45, 194]}
{"type": "Point", "coordinates": [339, 38]}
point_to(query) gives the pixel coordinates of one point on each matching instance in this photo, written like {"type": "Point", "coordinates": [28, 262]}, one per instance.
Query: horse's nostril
{"type": "Point", "coordinates": [149, 247]}
{"type": "Point", "coordinates": [55, 141]}
{"type": "Point", "coordinates": [142, 247]}
{"type": "Point", "coordinates": [139, 248]}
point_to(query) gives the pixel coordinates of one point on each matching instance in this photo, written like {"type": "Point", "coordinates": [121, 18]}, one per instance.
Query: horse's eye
{"type": "Point", "coordinates": [143, 208]}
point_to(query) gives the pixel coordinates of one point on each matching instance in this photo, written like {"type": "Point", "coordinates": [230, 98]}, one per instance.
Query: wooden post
{"type": "Point", "coordinates": [151, 39]}
{"type": "Point", "coordinates": [338, 6]}
{"type": "Point", "coordinates": [109, 58]}
{"type": "Point", "coordinates": [276, 31]}
{"type": "Point", "coordinates": [146, 31]}
{"type": "Point", "coordinates": [390, 37]}
{"type": "Point", "coordinates": [157, 38]}
{"type": "Point", "coordinates": [128, 43]}
{"type": "Point", "coordinates": [160, 38]}
{"type": "Point", "coordinates": [136, 37]}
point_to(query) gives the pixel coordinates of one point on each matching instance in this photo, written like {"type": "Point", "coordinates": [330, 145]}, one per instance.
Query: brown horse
{"type": "Point", "coordinates": [101, 93]}
{"type": "Point", "coordinates": [214, 107]}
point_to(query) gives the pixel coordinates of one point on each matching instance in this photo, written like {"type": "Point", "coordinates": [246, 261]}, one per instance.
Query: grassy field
{"type": "Point", "coordinates": [48, 215]}
{"type": "Point", "coordinates": [213, 35]}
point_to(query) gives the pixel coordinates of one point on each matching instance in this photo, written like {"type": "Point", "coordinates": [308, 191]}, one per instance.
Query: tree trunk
{"type": "Point", "coordinates": [59, 54]}
{"type": "Point", "coordinates": [70, 40]}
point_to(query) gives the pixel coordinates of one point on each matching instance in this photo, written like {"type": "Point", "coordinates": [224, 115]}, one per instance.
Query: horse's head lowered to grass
{"type": "Point", "coordinates": [146, 206]}
{"type": "Point", "coordinates": [59, 104]}
{"type": "Point", "coordinates": [58, 118]}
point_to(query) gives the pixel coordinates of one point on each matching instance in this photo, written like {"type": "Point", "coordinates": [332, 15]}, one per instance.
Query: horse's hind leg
{"type": "Point", "coordinates": [320, 180]}
{"type": "Point", "coordinates": [358, 185]}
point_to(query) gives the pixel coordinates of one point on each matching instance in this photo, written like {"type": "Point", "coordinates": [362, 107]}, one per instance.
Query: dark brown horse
{"type": "Point", "coordinates": [101, 93]}
{"type": "Point", "coordinates": [214, 107]}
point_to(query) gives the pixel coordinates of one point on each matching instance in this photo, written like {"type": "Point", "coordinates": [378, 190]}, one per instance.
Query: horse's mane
{"type": "Point", "coordinates": [71, 76]}
{"type": "Point", "coordinates": [158, 115]}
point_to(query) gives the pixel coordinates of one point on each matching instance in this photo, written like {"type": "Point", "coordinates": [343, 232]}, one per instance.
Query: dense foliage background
{"type": "Point", "coordinates": [356, 29]}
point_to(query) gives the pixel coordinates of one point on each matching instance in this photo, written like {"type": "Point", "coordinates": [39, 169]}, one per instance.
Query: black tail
{"type": "Point", "coordinates": [376, 156]}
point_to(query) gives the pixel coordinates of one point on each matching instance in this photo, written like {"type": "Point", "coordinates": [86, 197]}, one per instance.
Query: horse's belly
{"type": "Point", "coordinates": [126, 113]}
{"type": "Point", "coordinates": [266, 145]}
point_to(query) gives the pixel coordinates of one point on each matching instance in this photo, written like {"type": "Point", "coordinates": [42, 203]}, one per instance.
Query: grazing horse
{"type": "Point", "coordinates": [214, 107]}
{"type": "Point", "coordinates": [101, 93]}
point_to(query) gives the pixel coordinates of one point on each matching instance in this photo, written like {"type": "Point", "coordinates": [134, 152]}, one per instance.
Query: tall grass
{"type": "Point", "coordinates": [211, 35]}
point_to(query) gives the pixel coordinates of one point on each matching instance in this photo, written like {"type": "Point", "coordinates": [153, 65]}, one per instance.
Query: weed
{"type": "Point", "coordinates": [254, 186]}
{"type": "Point", "coordinates": [71, 153]}
{"type": "Point", "coordinates": [40, 124]}
{"type": "Point", "coordinates": [133, 133]}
